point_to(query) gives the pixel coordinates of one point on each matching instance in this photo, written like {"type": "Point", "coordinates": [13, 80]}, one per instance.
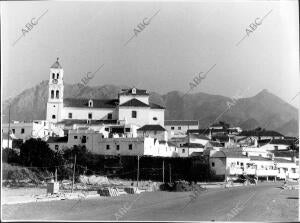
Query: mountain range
{"type": "Point", "coordinates": [264, 110]}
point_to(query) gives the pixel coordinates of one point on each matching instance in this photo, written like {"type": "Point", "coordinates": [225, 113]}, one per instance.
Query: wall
{"type": "Point", "coordinates": [142, 115]}
{"type": "Point", "coordinates": [177, 131]}
{"type": "Point", "coordinates": [82, 113]}
{"type": "Point", "coordinates": [159, 114]}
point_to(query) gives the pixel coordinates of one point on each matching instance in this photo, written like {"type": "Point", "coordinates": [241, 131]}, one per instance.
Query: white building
{"type": "Point", "coordinates": [177, 128]}
{"type": "Point", "coordinates": [32, 129]}
{"type": "Point", "coordinates": [132, 107]}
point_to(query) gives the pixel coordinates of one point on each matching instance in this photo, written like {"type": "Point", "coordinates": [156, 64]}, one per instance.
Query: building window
{"type": "Point", "coordinates": [133, 114]}
{"type": "Point", "coordinates": [107, 147]}
{"type": "Point", "coordinates": [83, 140]}
{"type": "Point", "coordinates": [53, 116]}
{"type": "Point", "coordinates": [179, 127]}
{"type": "Point", "coordinates": [133, 91]}
{"type": "Point", "coordinates": [75, 137]}
{"type": "Point", "coordinates": [52, 93]}
{"type": "Point", "coordinates": [70, 115]}
{"type": "Point", "coordinates": [293, 170]}
{"type": "Point", "coordinates": [118, 147]}
{"type": "Point", "coordinates": [106, 129]}
{"type": "Point", "coordinates": [57, 75]}
{"type": "Point", "coordinates": [172, 128]}
{"type": "Point", "coordinates": [53, 75]}
{"type": "Point", "coordinates": [212, 164]}
{"type": "Point", "coordinates": [154, 118]}
{"type": "Point", "coordinates": [127, 129]}
{"type": "Point", "coordinates": [22, 131]}
{"type": "Point", "coordinates": [56, 147]}
{"type": "Point", "coordinates": [57, 94]}
{"type": "Point", "coordinates": [109, 116]}
{"type": "Point", "coordinates": [183, 150]}
{"type": "Point", "coordinates": [238, 163]}
{"type": "Point", "coordinates": [90, 116]}
{"type": "Point", "coordinates": [13, 131]}
{"type": "Point", "coordinates": [90, 103]}
{"type": "Point", "coordinates": [276, 147]}
{"type": "Point", "coordinates": [130, 146]}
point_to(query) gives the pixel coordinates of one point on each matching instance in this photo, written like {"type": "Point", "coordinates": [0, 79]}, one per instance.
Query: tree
{"type": "Point", "coordinates": [35, 152]}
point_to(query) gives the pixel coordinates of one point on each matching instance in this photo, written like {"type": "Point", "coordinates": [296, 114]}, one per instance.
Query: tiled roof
{"type": "Point", "coordinates": [151, 128]}
{"type": "Point", "coordinates": [260, 133]}
{"type": "Point", "coordinates": [275, 141]}
{"type": "Point", "coordinates": [134, 103]}
{"type": "Point", "coordinates": [181, 122]}
{"type": "Point", "coordinates": [259, 158]}
{"type": "Point", "coordinates": [197, 136]}
{"type": "Point", "coordinates": [58, 139]}
{"type": "Point", "coordinates": [83, 103]}
{"type": "Point", "coordinates": [129, 92]}
{"type": "Point", "coordinates": [156, 106]}
{"type": "Point", "coordinates": [281, 160]}
{"type": "Point", "coordinates": [84, 121]}
{"type": "Point", "coordinates": [193, 145]}
{"type": "Point", "coordinates": [229, 154]}
{"type": "Point", "coordinates": [56, 65]}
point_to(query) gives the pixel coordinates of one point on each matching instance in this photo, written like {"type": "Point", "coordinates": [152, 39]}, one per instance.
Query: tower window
{"type": "Point", "coordinates": [90, 115]}
{"type": "Point", "coordinates": [130, 146]}
{"type": "Point", "coordinates": [57, 94]}
{"type": "Point", "coordinates": [90, 103]}
{"type": "Point", "coordinates": [133, 114]}
{"type": "Point", "coordinates": [70, 115]}
{"type": "Point", "coordinates": [57, 75]}
{"type": "Point", "coordinates": [53, 116]}
{"type": "Point", "coordinates": [52, 94]}
{"type": "Point", "coordinates": [53, 75]}
{"type": "Point", "coordinates": [22, 131]}
{"type": "Point", "coordinates": [133, 91]}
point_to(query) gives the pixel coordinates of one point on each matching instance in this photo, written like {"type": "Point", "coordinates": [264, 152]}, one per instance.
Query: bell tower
{"type": "Point", "coordinates": [56, 93]}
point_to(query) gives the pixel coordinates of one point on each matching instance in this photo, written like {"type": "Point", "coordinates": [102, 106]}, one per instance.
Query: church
{"type": "Point", "coordinates": [132, 107]}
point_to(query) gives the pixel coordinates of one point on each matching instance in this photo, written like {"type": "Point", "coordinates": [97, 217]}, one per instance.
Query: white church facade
{"type": "Point", "coordinates": [132, 107]}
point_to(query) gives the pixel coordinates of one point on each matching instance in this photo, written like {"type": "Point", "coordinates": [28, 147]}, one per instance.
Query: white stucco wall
{"type": "Point", "coordinates": [142, 115]}
{"type": "Point", "coordinates": [82, 113]}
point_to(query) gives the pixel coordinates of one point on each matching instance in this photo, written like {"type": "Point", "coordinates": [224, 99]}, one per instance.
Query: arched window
{"type": "Point", "coordinates": [57, 94]}
{"type": "Point", "coordinates": [57, 75]}
{"type": "Point", "coordinates": [52, 94]}
{"type": "Point", "coordinates": [90, 103]}
{"type": "Point", "coordinates": [53, 75]}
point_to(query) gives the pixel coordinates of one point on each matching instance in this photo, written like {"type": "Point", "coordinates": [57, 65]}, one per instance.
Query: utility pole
{"type": "Point", "coordinates": [55, 174]}
{"type": "Point", "coordinates": [73, 174]}
{"type": "Point", "coordinates": [163, 173]}
{"type": "Point", "coordinates": [170, 172]}
{"type": "Point", "coordinates": [138, 171]}
{"type": "Point", "coordinates": [8, 125]}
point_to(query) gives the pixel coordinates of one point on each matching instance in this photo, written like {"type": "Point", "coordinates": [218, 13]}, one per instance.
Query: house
{"type": "Point", "coordinates": [180, 127]}
{"type": "Point", "coordinates": [287, 169]}
{"type": "Point", "coordinates": [214, 145]}
{"type": "Point", "coordinates": [32, 129]}
{"type": "Point", "coordinates": [275, 144]}
{"type": "Point", "coordinates": [166, 149]}
{"type": "Point", "coordinates": [131, 107]}
{"type": "Point", "coordinates": [154, 131]}
{"type": "Point", "coordinates": [189, 149]}
{"type": "Point", "coordinates": [227, 164]}
{"type": "Point", "coordinates": [263, 167]}
{"type": "Point", "coordinates": [58, 143]}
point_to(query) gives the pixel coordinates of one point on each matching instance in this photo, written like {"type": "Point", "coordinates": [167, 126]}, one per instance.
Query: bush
{"type": "Point", "coordinates": [10, 156]}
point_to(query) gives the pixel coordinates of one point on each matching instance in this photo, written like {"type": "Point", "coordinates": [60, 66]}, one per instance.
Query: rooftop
{"type": "Point", "coordinates": [56, 65]}
{"type": "Point", "coordinates": [259, 158]}
{"type": "Point", "coordinates": [58, 139]}
{"type": "Point", "coordinates": [260, 133]}
{"type": "Point", "coordinates": [134, 103]}
{"type": "Point", "coordinates": [192, 145]}
{"type": "Point", "coordinates": [84, 121]}
{"type": "Point", "coordinates": [181, 122]}
{"type": "Point", "coordinates": [83, 103]}
{"type": "Point", "coordinates": [131, 91]}
{"type": "Point", "coordinates": [151, 128]}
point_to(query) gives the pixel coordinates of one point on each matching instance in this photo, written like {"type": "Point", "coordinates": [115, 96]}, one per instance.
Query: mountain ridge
{"type": "Point", "coordinates": [263, 109]}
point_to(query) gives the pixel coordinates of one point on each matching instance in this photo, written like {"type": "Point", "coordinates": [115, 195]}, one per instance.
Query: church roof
{"type": "Point", "coordinates": [130, 92]}
{"type": "Point", "coordinates": [56, 65]}
{"type": "Point", "coordinates": [134, 103]}
{"type": "Point", "coordinates": [83, 103]}
{"type": "Point", "coordinates": [151, 128]}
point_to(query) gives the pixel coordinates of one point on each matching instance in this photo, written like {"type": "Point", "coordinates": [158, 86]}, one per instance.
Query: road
{"type": "Point", "coordinates": [265, 202]}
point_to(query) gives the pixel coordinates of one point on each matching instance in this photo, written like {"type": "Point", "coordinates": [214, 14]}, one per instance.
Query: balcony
{"type": "Point", "coordinates": [262, 172]}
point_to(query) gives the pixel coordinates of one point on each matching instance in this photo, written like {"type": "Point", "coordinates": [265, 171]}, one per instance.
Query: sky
{"type": "Point", "coordinates": [181, 41]}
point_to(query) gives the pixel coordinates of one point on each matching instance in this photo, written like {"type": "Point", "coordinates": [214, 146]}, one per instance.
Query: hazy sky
{"type": "Point", "coordinates": [182, 40]}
